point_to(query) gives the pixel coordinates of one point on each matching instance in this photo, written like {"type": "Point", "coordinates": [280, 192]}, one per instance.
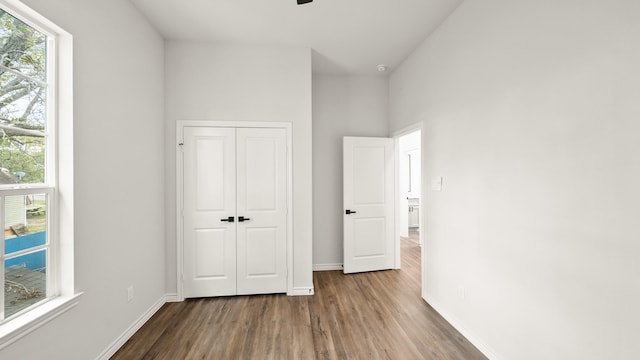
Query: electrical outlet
{"type": "Point", "coordinates": [130, 293]}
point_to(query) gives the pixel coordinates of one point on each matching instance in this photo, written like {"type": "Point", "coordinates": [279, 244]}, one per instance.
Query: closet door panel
{"type": "Point", "coordinates": [261, 198]}
{"type": "Point", "coordinates": [209, 252]}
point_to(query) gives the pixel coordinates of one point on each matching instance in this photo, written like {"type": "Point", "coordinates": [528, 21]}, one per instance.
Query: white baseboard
{"type": "Point", "coordinates": [172, 298]}
{"type": "Point", "coordinates": [479, 344]}
{"type": "Point", "coordinates": [327, 267]}
{"type": "Point", "coordinates": [117, 344]}
{"type": "Point", "coordinates": [301, 291]}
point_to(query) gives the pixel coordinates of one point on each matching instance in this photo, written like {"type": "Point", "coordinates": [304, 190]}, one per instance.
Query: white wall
{"type": "Point", "coordinates": [243, 83]}
{"type": "Point", "coordinates": [342, 106]}
{"type": "Point", "coordinates": [119, 187]}
{"type": "Point", "coordinates": [530, 112]}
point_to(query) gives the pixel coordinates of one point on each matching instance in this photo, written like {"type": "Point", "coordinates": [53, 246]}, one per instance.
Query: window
{"type": "Point", "coordinates": [35, 119]}
{"type": "Point", "coordinates": [26, 183]}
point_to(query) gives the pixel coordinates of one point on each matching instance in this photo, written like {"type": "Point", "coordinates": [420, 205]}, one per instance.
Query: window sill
{"type": "Point", "coordinates": [26, 323]}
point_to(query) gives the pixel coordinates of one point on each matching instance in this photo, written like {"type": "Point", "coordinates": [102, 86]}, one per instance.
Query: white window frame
{"type": "Point", "coordinates": [58, 181]}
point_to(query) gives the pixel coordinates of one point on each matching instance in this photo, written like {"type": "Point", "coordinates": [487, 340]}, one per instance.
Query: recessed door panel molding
{"type": "Point", "coordinates": [261, 252]}
{"type": "Point", "coordinates": [368, 174]}
{"type": "Point", "coordinates": [260, 156]}
{"type": "Point", "coordinates": [368, 169]}
{"type": "Point", "coordinates": [234, 226]}
{"type": "Point", "coordinates": [210, 242]}
{"type": "Point", "coordinates": [210, 176]}
{"type": "Point", "coordinates": [372, 229]}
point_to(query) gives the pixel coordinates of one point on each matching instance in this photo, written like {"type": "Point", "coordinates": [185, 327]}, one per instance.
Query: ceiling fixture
{"type": "Point", "coordinates": [382, 68]}
{"type": "Point", "coordinates": [300, 2]}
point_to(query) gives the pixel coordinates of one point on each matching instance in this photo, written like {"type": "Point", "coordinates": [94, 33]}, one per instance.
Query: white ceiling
{"type": "Point", "coordinates": [347, 36]}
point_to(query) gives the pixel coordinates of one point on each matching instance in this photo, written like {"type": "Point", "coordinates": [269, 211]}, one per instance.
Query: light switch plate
{"type": "Point", "coordinates": [436, 184]}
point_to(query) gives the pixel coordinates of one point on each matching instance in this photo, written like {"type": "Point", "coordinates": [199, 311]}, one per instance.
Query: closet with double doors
{"type": "Point", "coordinates": [234, 211]}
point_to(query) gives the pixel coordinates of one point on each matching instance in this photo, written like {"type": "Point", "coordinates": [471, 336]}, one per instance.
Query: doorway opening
{"type": "Point", "coordinates": [408, 192]}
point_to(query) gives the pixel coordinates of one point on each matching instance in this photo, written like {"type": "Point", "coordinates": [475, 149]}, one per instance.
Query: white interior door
{"type": "Point", "coordinates": [262, 211]}
{"type": "Point", "coordinates": [209, 250]}
{"type": "Point", "coordinates": [368, 204]}
{"type": "Point", "coordinates": [235, 211]}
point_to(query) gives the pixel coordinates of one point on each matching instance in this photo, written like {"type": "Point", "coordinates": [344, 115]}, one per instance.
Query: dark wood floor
{"type": "Point", "coordinates": [378, 315]}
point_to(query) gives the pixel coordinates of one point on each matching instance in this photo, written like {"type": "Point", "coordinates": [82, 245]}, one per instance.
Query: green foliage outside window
{"type": "Point", "coordinates": [23, 90]}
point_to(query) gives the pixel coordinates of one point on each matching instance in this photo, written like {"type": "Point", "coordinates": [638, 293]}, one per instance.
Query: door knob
{"type": "Point", "coordinates": [242, 219]}
{"type": "Point", "coordinates": [349, 212]}
{"type": "Point", "coordinates": [229, 219]}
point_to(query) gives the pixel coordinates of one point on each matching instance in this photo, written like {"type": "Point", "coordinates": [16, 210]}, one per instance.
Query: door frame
{"type": "Point", "coordinates": [396, 135]}
{"type": "Point", "coordinates": [180, 125]}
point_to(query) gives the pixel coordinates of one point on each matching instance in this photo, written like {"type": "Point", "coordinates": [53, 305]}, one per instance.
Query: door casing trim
{"type": "Point", "coordinates": [180, 125]}
{"type": "Point", "coordinates": [396, 135]}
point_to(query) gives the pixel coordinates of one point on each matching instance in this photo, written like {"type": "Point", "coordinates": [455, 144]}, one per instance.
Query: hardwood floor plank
{"type": "Point", "coordinates": [376, 315]}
